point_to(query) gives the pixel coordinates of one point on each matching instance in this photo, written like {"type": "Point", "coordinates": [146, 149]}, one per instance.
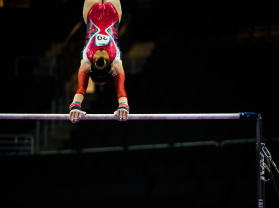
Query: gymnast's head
{"type": "Point", "coordinates": [100, 71]}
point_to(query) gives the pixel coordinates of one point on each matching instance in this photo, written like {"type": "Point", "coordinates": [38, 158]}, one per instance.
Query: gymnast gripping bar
{"type": "Point", "coordinates": [197, 116]}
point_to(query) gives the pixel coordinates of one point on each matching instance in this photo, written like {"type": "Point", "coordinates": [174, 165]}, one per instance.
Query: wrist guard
{"type": "Point", "coordinates": [124, 106]}
{"type": "Point", "coordinates": [75, 105]}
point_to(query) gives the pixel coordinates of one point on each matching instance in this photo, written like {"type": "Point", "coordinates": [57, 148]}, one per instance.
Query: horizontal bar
{"type": "Point", "coordinates": [193, 144]}
{"type": "Point", "coordinates": [203, 116]}
{"type": "Point", "coordinates": [148, 146]}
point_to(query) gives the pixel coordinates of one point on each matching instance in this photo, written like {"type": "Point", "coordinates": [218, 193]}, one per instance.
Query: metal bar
{"type": "Point", "coordinates": [131, 116]}
{"type": "Point", "coordinates": [260, 165]}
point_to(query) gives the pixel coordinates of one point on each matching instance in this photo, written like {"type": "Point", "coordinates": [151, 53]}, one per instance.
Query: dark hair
{"type": "Point", "coordinates": [100, 71]}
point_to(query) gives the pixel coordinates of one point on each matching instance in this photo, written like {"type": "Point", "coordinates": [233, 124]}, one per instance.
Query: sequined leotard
{"type": "Point", "coordinates": [102, 32]}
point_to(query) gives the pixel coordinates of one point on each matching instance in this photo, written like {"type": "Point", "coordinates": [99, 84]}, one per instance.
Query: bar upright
{"type": "Point", "coordinates": [260, 165]}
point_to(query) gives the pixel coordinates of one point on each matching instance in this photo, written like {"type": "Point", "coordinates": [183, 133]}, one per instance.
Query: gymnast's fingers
{"type": "Point", "coordinates": [122, 115]}
{"type": "Point", "coordinates": [75, 116]}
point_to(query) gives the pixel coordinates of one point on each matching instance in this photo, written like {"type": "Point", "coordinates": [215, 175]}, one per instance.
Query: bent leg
{"type": "Point", "coordinates": [117, 5]}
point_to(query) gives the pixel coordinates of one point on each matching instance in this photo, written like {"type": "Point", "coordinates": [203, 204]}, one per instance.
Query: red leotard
{"type": "Point", "coordinates": [102, 21]}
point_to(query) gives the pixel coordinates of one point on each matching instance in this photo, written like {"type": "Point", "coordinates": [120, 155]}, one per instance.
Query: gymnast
{"type": "Point", "coordinates": [101, 56]}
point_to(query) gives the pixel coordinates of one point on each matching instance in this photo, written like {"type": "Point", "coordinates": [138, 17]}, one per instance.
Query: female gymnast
{"type": "Point", "coordinates": [101, 56]}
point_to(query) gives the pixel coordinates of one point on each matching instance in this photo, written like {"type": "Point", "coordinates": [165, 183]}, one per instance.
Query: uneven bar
{"type": "Point", "coordinates": [199, 116]}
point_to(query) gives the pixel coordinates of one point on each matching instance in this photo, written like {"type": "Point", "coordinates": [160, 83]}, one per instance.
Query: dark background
{"type": "Point", "coordinates": [208, 58]}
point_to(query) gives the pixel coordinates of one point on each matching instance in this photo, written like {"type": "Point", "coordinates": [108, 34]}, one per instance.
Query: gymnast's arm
{"type": "Point", "coordinates": [76, 112]}
{"type": "Point", "coordinates": [119, 80]}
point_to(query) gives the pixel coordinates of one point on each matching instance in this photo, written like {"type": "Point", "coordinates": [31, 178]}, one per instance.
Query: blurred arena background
{"type": "Point", "coordinates": [193, 57]}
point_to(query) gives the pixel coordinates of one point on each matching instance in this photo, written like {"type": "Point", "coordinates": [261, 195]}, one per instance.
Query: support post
{"type": "Point", "coordinates": [260, 165]}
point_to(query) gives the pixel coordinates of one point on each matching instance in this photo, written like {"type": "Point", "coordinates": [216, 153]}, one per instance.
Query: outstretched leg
{"type": "Point", "coordinates": [88, 4]}
{"type": "Point", "coordinates": [117, 6]}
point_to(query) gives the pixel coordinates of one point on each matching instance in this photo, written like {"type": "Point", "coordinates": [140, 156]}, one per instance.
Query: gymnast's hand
{"type": "Point", "coordinates": [122, 112]}
{"type": "Point", "coordinates": [122, 115]}
{"type": "Point", "coordinates": [76, 115]}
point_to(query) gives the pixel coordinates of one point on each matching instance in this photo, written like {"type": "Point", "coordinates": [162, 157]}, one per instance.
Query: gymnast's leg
{"type": "Point", "coordinates": [88, 4]}
{"type": "Point", "coordinates": [117, 6]}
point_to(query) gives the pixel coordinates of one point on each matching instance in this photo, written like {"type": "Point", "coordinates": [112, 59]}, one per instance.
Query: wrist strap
{"type": "Point", "coordinates": [75, 105]}
{"type": "Point", "coordinates": [123, 105]}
